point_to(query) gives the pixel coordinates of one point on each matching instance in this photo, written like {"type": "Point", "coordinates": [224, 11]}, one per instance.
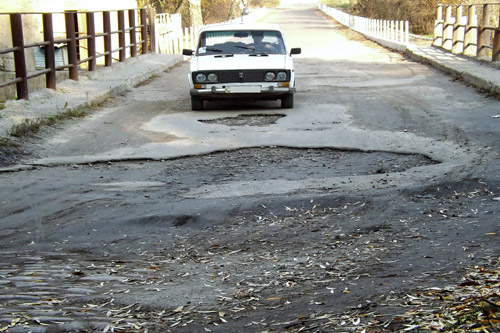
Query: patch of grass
{"type": "Point", "coordinates": [32, 126]}
{"type": "Point", "coordinates": [6, 143]}
{"type": "Point", "coordinates": [28, 126]}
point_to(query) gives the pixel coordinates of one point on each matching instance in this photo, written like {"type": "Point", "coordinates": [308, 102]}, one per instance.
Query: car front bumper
{"type": "Point", "coordinates": [255, 91]}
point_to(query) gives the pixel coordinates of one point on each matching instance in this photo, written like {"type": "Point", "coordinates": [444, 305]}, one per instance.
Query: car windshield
{"type": "Point", "coordinates": [261, 42]}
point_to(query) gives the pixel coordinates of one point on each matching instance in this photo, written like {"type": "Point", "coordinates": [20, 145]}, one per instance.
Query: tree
{"type": "Point", "coordinates": [215, 11]}
{"type": "Point", "coordinates": [212, 11]}
{"type": "Point", "coordinates": [189, 9]}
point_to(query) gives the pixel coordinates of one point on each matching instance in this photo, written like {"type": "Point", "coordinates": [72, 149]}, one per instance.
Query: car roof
{"type": "Point", "coordinates": [241, 26]}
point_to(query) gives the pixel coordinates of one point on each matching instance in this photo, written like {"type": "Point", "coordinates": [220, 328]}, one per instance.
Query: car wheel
{"type": "Point", "coordinates": [196, 104]}
{"type": "Point", "coordinates": [287, 101]}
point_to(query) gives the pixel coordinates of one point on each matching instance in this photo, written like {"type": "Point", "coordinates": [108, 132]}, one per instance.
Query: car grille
{"type": "Point", "coordinates": [233, 76]}
{"type": "Point", "coordinates": [241, 76]}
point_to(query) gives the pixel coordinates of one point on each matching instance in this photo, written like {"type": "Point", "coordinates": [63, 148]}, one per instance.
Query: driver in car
{"type": "Point", "coordinates": [259, 45]}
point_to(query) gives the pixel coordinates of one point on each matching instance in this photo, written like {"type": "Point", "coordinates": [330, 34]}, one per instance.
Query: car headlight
{"type": "Point", "coordinates": [281, 76]}
{"type": "Point", "coordinates": [201, 77]}
{"type": "Point", "coordinates": [212, 77]}
{"type": "Point", "coordinates": [270, 76]}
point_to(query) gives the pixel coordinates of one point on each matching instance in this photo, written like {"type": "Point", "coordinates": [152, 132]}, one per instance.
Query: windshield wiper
{"type": "Point", "coordinates": [259, 54]}
{"type": "Point", "coordinates": [251, 48]}
{"type": "Point", "coordinates": [213, 49]}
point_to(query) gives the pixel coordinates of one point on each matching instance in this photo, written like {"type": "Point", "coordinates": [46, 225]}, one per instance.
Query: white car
{"type": "Point", "coordinates": [241, 61]}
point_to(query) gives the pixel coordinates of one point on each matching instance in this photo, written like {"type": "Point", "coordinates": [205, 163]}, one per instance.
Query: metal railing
{"type": "Point", "coordinates": [79, 43]}
{"type": "Point", "coordinates": [396, 33]}
{"type": "Point", "coordinates": [476, 34]}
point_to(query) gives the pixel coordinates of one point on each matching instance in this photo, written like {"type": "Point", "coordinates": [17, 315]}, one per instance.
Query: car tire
{"type": "Point", "coordinates": [287, 101]}
{"type": "Point", "coordinates": [196, 104]}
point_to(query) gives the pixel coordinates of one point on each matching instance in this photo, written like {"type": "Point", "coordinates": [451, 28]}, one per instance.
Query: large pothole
{"type": "Point", "coordinates": [291, 164]}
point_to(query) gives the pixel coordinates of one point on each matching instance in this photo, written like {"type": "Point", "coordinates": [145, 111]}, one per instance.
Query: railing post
{"type": "Point", "coordinates": [401, 31]}
{"type": "Point", "coordinates": [496, 42]}
{"type": "Point", "coordinates": [438, 27]}
{"type": "Point", "coordinates": [71, 36]}
{"type": "Point", "coordinates": [160, 39]}
{"type": "Point", "coordinates": [470, 40]}
{"type": "Point", "coordinates": [169, 42]}
{"type": "Point", "coordinates": [407, 32]}
{"type": "Point", "coordinates": [122, 55]}
{"type": "Point", "coordinates": [50, 63]}
{"type": "Point", "coordinates": [152, 29]}
{"type": "Point", "coordinates": [392, 30]}
{"type": "Point", "coordinates": [133, 39]}
{"type": "Point", "coordinates": [91, 41]}
{"type": "Point", "coordinates": [144, 31]}
{"type": "Point", "coordinates": [448, 29]}
{"type": "Point", "coordinates": [16, 28]}
{"type": "Point", "coordinates": [484, 34]}
{"type": "Point", "coordinates": [459, 32]}
{"type": "Point", "coordinates": [108, 54]}
{"type": "Point", "coordinates": [396, 32]}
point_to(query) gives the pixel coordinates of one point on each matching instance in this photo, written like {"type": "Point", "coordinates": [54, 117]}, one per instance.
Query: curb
{"type": "Point", "coordinates": [481, 75]}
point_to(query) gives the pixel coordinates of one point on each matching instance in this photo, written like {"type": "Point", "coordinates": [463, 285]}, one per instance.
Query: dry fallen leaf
{"type": "Point", "coordinates": [179, 309]}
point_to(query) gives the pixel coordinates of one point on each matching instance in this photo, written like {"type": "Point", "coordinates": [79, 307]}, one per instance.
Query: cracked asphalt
{"type": "Point", "coordinates": [382, 182]}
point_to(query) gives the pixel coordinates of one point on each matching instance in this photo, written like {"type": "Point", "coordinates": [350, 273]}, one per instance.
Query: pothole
{"type": "Point", "coordinates": [287, 163]}
{"type": "Point", "coordinates": [246, 120]}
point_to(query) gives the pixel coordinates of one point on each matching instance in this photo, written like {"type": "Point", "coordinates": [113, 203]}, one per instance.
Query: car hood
{"type": "Point", "coordinates": [240, 61]}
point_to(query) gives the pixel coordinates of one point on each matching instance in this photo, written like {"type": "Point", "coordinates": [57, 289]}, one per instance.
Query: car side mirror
{"type": "Point", "coordinates": [296, 50]}
{"type": "Point", "coordinates": [187, 52]}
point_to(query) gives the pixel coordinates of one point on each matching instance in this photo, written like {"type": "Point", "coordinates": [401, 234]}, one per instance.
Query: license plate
{"type": "Point", "coordinates": [244, 89]}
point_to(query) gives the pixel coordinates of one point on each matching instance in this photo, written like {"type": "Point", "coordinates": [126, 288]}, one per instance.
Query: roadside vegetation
{"type": "Point", "coordinates": [215, 11]}
{"type": "Point", "coordinates": [345, 4]}
{"type": "Point", "coordinates": [32, 126]}
{"type": "Point", "coordinates": [212, 11]}
{"type": "Point", "coordinates": [420, 13]}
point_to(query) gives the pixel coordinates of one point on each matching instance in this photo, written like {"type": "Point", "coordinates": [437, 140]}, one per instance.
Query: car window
{"type": "Point", "coordinates": [241, 42]}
